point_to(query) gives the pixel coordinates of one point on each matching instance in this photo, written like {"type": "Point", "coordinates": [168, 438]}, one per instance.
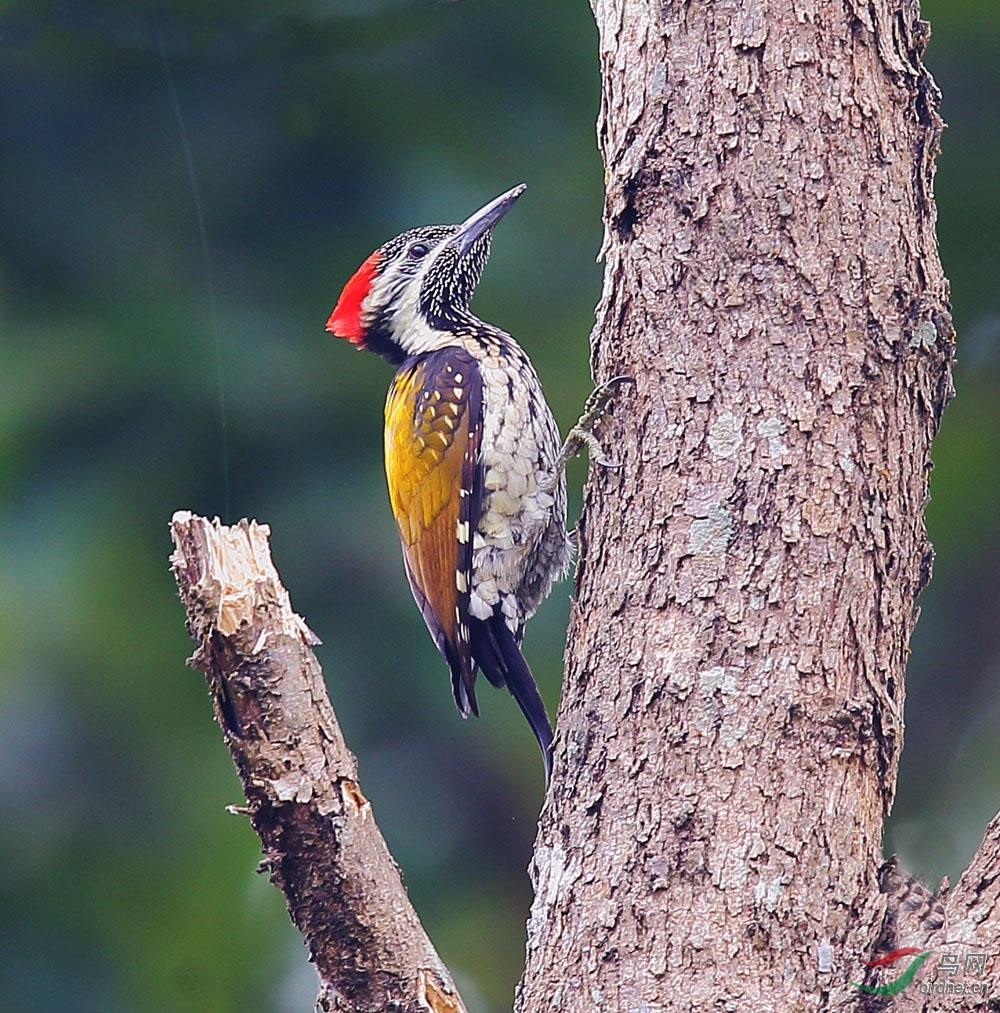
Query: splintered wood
{"type": "Point", "coordinates": [321, 845]}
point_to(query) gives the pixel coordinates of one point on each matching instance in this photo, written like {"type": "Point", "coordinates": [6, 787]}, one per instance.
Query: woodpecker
{"type": "Point", "coordinates": [472, 453]}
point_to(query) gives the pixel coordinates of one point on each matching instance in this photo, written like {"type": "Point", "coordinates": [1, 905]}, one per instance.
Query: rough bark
{"type": "Point", "coordinates": [731, 722]}
{"type": "Point", "coordinates": [321, 845]}
{"type": "Point", "coordinates": [960, 922]}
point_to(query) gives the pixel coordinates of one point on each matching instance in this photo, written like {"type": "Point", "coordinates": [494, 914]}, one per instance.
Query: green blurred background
{"type": "Point", "coordinates": [318, 130]}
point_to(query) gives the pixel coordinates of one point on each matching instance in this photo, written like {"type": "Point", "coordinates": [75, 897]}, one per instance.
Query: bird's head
{"type": "Point", "coordinates": [404, 297]}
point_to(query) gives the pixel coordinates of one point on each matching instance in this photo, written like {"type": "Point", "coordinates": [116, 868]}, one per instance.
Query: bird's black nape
{"type": "Point", "coordinates": [499, 656]}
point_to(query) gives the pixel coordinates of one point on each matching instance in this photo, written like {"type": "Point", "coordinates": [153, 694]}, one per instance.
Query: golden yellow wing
{"type": "Point", "coordinates": [433, 420]}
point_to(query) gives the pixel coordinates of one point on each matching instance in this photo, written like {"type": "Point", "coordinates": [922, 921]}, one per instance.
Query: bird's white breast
{"type": "Point", "coordinates": [520, 543]}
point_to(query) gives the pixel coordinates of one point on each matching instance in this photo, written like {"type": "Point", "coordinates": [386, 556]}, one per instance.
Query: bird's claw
{"type": "Point", "coordinates": [582, 434]}
{"type": "Point", "coordinates": [596, 405]}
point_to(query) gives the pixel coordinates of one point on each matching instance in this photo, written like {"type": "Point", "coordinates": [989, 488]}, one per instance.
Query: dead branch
{"type": "Point", "coordinates": [321, 845]}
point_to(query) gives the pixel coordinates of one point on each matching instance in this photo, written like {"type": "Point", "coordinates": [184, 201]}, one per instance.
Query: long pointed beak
{"type": "Point", "coordinates": [485, 218]}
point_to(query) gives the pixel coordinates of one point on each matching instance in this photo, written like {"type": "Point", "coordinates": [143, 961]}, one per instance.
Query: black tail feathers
{"type": "Point", "coordinates": [499, 656]}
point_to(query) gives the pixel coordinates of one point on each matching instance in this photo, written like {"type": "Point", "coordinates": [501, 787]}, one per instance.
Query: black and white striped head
{"type": "Point", "coordinates": [406, 295]}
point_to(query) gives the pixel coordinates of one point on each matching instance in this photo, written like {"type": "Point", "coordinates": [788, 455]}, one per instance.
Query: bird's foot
{"type": "Point", "coordinates": [581, 436]}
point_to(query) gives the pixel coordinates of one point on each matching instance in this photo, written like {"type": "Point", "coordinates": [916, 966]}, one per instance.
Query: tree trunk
{"type": "Point", "coordinates": [731, 718]}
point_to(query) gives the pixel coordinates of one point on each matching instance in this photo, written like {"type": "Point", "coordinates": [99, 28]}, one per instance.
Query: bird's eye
{"type": "Point", "coordinates": [418, 250]}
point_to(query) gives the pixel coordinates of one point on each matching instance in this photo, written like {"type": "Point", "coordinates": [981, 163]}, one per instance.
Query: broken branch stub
{"type": "Point", "coordinates": [321, 845]}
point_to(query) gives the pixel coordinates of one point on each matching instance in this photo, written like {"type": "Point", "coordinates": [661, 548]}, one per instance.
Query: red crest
{"type": "Point", "coordinates": [345, 320]}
